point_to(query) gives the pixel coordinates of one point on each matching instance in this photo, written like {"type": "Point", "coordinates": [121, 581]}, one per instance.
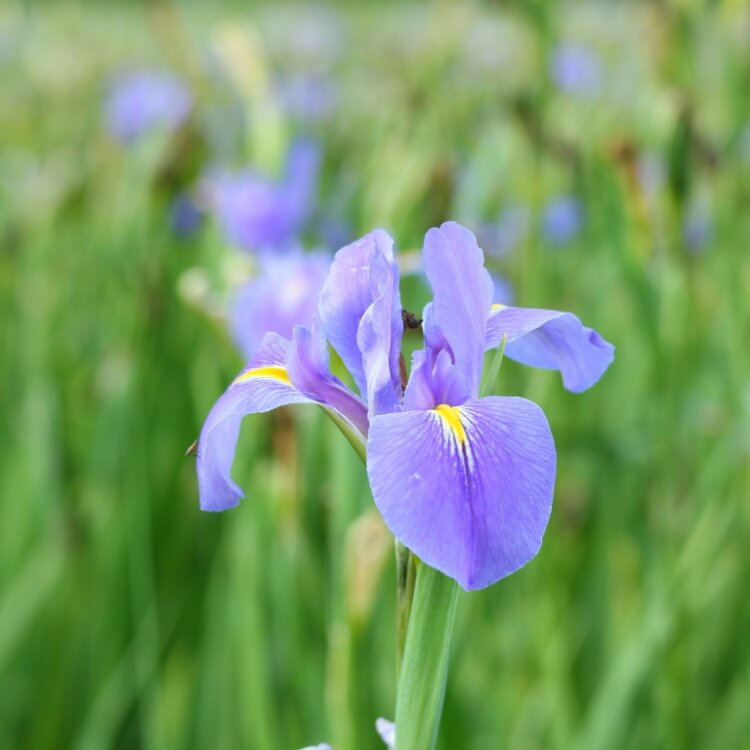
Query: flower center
{"type": "Point", "coordinates": [452, 416]}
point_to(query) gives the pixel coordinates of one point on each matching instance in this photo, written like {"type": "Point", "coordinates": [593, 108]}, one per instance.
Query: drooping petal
{"type": "Point", "coordinates": [462, 295]}
{"type": "Point", "coordinates": [469, 488]}
{"type": "Point", "coordinates": [434, 380]}
{"type": "Point", "coordinates": [551, 340]}
{"type": "Point", "coordinates": [280, 374]}
{"type": "Point", "coordinates": [263, 385]}
{"type": "Point", "coordinates": [362, 274]}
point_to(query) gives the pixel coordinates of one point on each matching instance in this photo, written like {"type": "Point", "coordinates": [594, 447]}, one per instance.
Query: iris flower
{"type": "Point", "coordinates": [257, 213]}
{"type": "Point", "coordinates": [576, 69]}
{"type": "Point", "coordinates": [144, 101]}
{"type": "Point", "coordinates": [465, 482]}
{"type": "Point", "coordinates": [562, 219]}
{"type": "Point", "coordinates": [283, 294]}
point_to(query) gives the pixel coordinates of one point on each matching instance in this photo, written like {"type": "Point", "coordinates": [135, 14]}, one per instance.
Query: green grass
{"type": "Point", "coordinates": [129, 619]}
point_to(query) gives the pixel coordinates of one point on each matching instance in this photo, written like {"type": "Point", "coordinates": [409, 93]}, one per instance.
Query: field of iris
{"type": "Point", "coordinates": [601, 154]}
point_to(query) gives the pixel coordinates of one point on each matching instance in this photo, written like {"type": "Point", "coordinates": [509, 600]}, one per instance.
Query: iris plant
{"type": "Point", "coordinates": [464, 480]}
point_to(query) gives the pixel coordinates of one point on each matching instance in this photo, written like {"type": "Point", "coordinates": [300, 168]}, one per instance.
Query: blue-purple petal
{"type": "Point", "coordinates": [361, 274]}
{"type": "Point", "coordinates": [551, 340]}
{"type": "Point", "coordinates": [476, 510]}
{"type": "Point", "coordinates": [462, 288]}
{"type": "Point", "coordinates": [281, 373]}
{"type": "Point", "coordinates": [379, 338]}
{"type": "Point", "coordinates": [434, 380]}
{"type": "Point", "coordinates": [307, 366]}
{"type": "Point", "coordinates": [218, 438]}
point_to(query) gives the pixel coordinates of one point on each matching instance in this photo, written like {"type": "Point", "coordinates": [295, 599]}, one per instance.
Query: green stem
{"type": "Point", "coordinates": [487, 387]}
{"type": "Point", "coordinates": [406, 572]}
{"type": "Point", "coordinates": [424, 669]}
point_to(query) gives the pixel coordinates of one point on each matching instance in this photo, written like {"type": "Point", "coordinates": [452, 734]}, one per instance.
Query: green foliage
{"type": "Point", "coordinates": [129, 619]}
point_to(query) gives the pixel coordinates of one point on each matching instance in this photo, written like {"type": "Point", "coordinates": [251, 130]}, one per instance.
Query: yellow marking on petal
{"type": "Point", "coordinates": [497, 306]}
{"type": "Point", "coordinates": [275, 372]}
{"type": "Point", "coordinates": [452, 415]}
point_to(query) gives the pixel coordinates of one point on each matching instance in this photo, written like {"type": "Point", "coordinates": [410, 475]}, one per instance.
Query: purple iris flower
{"type": "Point", "coordinates": [505, 234]}
{"type": "Point", "coordinates": [465, 482]}
{"type": "Point", "coordinates": [185, 218]}
{"type": "Point", "coordinates": [259, 213]}
{"type": "Point", "coordinates": [562, 219]}
{"type": "Point", "coordinates": [284, 294]}
{"type": "Point", "coordinates": [146, 101]}
{"type": "Point", "coordinates": [576, 69]}
{"type": "Point", "coordinates": [308, 97]}
{"type": "Point", "coordinates": [697, 228]}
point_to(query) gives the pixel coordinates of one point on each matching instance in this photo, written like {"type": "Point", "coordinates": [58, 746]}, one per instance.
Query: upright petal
{"type": "Point", "coordinates": [469, 488]}
{"type": "Point", "coordinates": [434, 380]}
{"type": "Point", "coordinates": [362, 274]}
{"type": "Point", "coordinates": [551, 340]}
{"type": "Point", "coordinates": [462, 295]}
{"type": "Point", "coordinates": [379, 338]}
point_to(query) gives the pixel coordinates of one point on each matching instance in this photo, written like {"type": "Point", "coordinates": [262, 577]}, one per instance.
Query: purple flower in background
{"type": "Point", "coordinates": [651, 171]}
{"type": "Point", "coordinates": [575, 69]}
{"type": "Point", "coordinates": [146, 101]}
{"type": "Point", "coordinates": [502, 290]}
{"type": "Point", "coordinates": [308, 97]}
{"type": "Point", "coordinates": [465, 482]}
{"type": "Point", "coordinates": [185, 217]}
{"type": "Point", "coordinates": [505, 234]}
{"type": "Point", "coordinates": [562, 219]}
{"type": "Point", "coordinates": [284, 294]}
{"type": "Point", "coordinates": [697, 228]}
{"type": "Point", "coordinates": [257, 213]}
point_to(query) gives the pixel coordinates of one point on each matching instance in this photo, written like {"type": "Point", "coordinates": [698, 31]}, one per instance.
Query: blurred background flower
{"type": "Point", "coordinates": [284, 293]}
{"type": "Point", "coordinates": [562, 219]}
{"type": "Point", "coordinates": [145, 101]}
{"type": "Point", "coordinates": [576, 69]}
{"type": "Point", "coordinates": [258, 212]}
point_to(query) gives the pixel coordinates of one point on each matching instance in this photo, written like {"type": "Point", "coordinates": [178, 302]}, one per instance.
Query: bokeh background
{"type": "Point", "coordinates": [600, 151]}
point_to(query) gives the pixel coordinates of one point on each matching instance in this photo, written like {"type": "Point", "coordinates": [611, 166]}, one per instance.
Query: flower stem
{"type": "Point", "coordinates": [424, 669]}
{"type": "Point", "coordinates": [406, 575]}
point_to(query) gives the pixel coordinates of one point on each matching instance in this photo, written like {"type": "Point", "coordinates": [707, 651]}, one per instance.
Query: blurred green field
{"type": "Point", "coordinates": [129, 619]}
